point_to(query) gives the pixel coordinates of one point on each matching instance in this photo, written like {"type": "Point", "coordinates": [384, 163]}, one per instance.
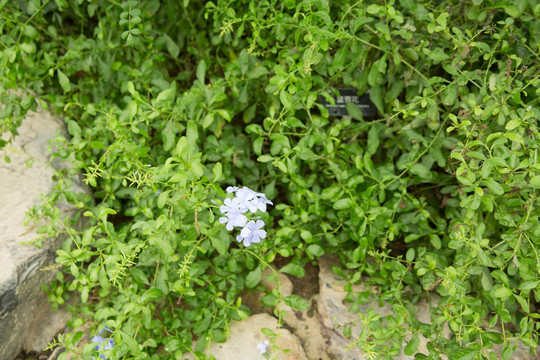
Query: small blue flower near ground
{"type": "Point", "coordinates": [104, 343]}
{"type": "Point", "coordinates": [262, 347]}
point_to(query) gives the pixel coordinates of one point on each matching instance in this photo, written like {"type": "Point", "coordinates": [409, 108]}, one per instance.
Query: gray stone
{"type": "Point", "coordinates": [46, 325]}
{"type": "Point", "coordinates": [335, 314]}
{"type": "Point", "coordinates": [269, 281]}
{"type": "Point", "coordinates": [23, 265]}
{"type": "Point", "coordinates": [307, 326]}
{"type": "Point", "coordinates": [246, 335]}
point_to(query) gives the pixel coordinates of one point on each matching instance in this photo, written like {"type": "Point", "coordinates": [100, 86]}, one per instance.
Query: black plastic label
{"type": "Point", "coordinates": [349, 96]}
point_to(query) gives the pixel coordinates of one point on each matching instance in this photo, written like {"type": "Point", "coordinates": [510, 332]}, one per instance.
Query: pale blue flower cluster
{"type": "Point", "coordinates": [104, 343]}
{"type": "Point", "coordinates": [234, 211]}
{"type": "Point", "coordinates": [263, 347]}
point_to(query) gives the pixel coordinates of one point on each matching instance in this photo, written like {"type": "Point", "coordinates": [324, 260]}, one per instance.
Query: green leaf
{"type": "Point", "coordinates": [535, 181]}
{"type": "Point", "coordinates": [354, 111]}
{"type": "Point", "coordinates": [139, 275]}
{"type": "Point", "coordinates": [412, 345]}
{"type": "Point", "coordinates": [494, 186]}
{"type": "Point", "coordinates": [315, 250]}
{"type": "Point", "coordinates": [281, 166]}
{"type": "Point", "coordinates": [254, 277]}
{"type": "Point", "coordinates": [502, 292]}
{"type": "Point", "coordinates": [281, 140]}
{"type": "Point", "coordinates": [331, 192]}
{"type": "Point", "coordinates": [465, 354]}
{"type": "Point", "coordinates": [73, 128]}
{"type": "Point", "coordinates": [265, 158]}
{"type": "Point", "coordinates": [373, 74]}
{"type": "Point", "coordinates": [438, 55]}
{"type": "Point", "coordinates": [257, 72]}
{"type": "Point", "coordinates": [201, 71]}
{"type": "Point", "coordinates": [487, 166]}
{"type": "Point", "coordinates": [514, 137]}
{"type": "Point", "coordinates": [196, 168]}
{"type": "Point", "coordinates": [192, 135]}
{"type": "Point", "coordinates": [342, 204]}
{"type": "Point", "coordinates": [105, 313]}
{"type": "Point", "coordinates": [151, 295]}
{"type": "Point", "coordinates": [470, 202]}
{"type": "Point", "coordinates": [162, 199]}
{"type": "Point", "coordinates": [286, 99]}
{"type": "Point", "coordinates": [172, 47]}
{"type": "Point", "coordinates": [268, 332]}
{"type": "Point", "coordinates": [219, 336]}
{"type": "Point", "coordinates": [373, 140]}
{"type": "Point", "coordinates": [84, 293]}
{"type": "Point", "coordinates": [528, 285]}
{"type": "Point", "coordinates": [208, 120]}
{"type": "Point", "coordinates": [164, 245]}
{"type": "Point", "coordinates": [410, 255]}
{"type": "Point", "coordinates": [523, 303]}
{"type": "Point", "coordinates": [512, 124]}
{"type": "Point", "coordinates": [166, 95]}
{"type": "Point", "coordinates": [296, 302]}
{"type": "Point", "coordinates": [217, 171]}
{"type": "Point", "coordinates": [421, 171]}
{"type": "Point", "coordinates": [450, 95]}
{"type": "Point", "coordinates": [221, 242]}
{"type": "Point", "coordinates": [293, 269]}
{"type": "Point", "coordinates": [131, 343]}
{"type": "Point", "coordinates": [63, 80]}
{"type": "Point", "coordinates": [96, 144]}
{"type": "Point", "coordinates": [375, 95]}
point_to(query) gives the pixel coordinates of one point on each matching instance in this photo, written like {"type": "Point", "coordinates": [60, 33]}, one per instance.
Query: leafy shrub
{"type": "Point", "coordinates": [168, 102]}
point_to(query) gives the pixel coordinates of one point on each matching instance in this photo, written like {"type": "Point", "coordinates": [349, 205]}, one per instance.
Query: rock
{"type": "Point", "coordinates": [252, 299]}
{"type": "Point", "coordinates": [269, 282]}
{"type": "Point", "coordinates": [307, 326]}
{"type": "Point", "coordinates": [46, 325]}
{"type": "Point", "coordinates": [23, 264]}
{"type": "Point", "coordinates": [335, 314]}
{"type": "Point", "coordinates": [246, 335]}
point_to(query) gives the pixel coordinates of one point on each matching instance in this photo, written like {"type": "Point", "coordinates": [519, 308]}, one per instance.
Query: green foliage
{"type": "Point", "coordinates": [167, 102]}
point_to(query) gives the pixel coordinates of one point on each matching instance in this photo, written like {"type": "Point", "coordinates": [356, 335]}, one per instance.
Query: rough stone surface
{"type": "Point", "coordinates": [22, 274]}
{"type": "Point", "coordinates": [246, 334]}
{"type": "Point", "coordinates": [308, 327]}
{"type": "Point", "coordinates": [268, 279]}
{"type": "Point", "coordinates": [46, 325]}
{"type": "Point", "coordinates": [335, 315]}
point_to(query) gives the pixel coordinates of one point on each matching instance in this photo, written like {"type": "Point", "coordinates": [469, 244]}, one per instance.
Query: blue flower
{"type": "Point", "coordinates": [260, 203]}
{"type": "Point", "coordinates": [233, 214]}
{"type": "Point", "coordinates": [234, 209]}
{"type": "Point", "coordinates": [249, 199]}
{"type": "Point", "coordinates": [262, 347]}
{"type": "Point", "coordinates": [252, 233]}
{"type": "Point", "coordinates": [104, 343]}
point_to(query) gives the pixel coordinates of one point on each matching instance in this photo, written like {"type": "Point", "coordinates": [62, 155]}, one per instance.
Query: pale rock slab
{"type": "Point", "coordinates": [283, 283]}
{"type": "Point", "coordinates": [304, 324]}
{"type": "Point", "coordinates": [335, 315]}
{"type": "Point", "coordinates": [307, 326]}
{"type": "Point", "coordinates": [22, 264]}
{"type": "Point", "coordinates": [246, 335]}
